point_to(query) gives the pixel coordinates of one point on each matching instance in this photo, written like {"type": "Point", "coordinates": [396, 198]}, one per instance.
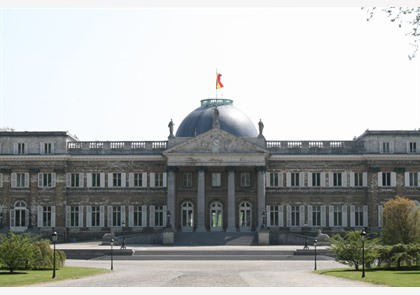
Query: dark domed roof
{"type": "Point", "coordinates": [230, 118]}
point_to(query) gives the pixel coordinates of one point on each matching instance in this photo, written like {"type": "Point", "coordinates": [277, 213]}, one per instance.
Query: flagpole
{"type": "Point", "coordinates": [216, 83]}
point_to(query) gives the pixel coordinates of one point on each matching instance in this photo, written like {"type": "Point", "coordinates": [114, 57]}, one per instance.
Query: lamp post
{"type": "Point", "coordinates": [306, 235]}
{"type": "Point", "coordinates": [112, 258]}
{"type": "Point", "coordinates": [315, 242]}
{"type": "Point", "coordinates": [264, 218]}
{"type": "Point", "coordinates": [168, 219]}
{"type": "Point", "coordinates": [54, 239]}
{"type": "Point", "coordinates": [363, 235]}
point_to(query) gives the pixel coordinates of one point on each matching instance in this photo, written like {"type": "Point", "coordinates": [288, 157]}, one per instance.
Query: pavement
{"type": "Point", "coordinates": [206, 273]}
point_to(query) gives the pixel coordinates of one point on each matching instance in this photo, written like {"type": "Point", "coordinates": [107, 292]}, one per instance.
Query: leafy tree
{"type": "Point", "coordinates": [401, 221]}
{"type": "Point", "coordinates": [16, 251]}
{"type": "Point", "coordinates": [348, 248]}
{"type": "Point", "coordinates": [405, 17]}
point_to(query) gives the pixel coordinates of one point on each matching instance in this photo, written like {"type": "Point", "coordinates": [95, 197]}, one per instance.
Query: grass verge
{"type": "Point", "coordinates": [390, 278]}
{"type": "Point", "coordinates": [31, 277]}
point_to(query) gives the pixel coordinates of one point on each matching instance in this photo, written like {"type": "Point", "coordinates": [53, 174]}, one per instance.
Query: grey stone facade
{"type": "Point", "coordinates": [214, 181]}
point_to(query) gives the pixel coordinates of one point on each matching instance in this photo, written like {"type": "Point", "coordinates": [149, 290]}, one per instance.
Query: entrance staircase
{"type": "Point", "coordinates": [215, 239]}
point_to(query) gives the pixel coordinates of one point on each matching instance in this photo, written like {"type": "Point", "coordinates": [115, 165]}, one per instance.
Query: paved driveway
{"type": "Point", "coordinates": [213, 273]}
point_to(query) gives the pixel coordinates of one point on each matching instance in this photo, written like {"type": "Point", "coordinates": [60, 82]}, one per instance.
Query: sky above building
{"type": "Point", "coordinates": [122, 73]}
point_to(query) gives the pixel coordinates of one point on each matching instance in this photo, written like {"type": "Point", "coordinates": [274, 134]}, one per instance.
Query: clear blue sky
{"type": "Point", "coordinates": [309, 73]}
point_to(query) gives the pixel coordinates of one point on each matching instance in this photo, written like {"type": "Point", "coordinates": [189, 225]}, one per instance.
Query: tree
{"type": "Point", "coordinates": [348, 248]}
{"type": "Point", "coordinates": [405, 17]}
{"type": "Point", "coordinates": [16, 251]}
{"type": "Point", "coordinates": [401, 221]}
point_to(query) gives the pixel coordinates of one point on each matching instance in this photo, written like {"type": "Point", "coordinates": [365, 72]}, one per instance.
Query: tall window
{"type": "Point", "coordinates": [96, 179]}
{"type": "Point", "coordinates": [295, 216]}
{"type": "Point", "coordinates": [116, 180]}
{"type": "Point", "coordinates": [358, 179]}
{"type": "Point", "coordinates": [116, 216]}
{"type": "Point", "coordinates": [187, 179]}
{"type": "Point", "coordinates": [294, 179]}
{"type": "Point", "coordinates": [46, 179]}
{"type": "Point", "coordinates": [338, 215]}
{"type": "Point", "coordinates": [386, 147]}
{"type": "Point", "coordinates": [96, 216]}
{"type": "Point", "coordinates": [139, 216]}
{"type": "Point", "coordinates": [316, 215]}
{"type": "Point", "coordinates": [137, 179]}
{"type": "Point", "coordinates": [337, 179]}
{"type": "Point", "coordinates": [22, 180]}
{"type": "Point", "coordinates": [412, 148]}
{"type": "Point", "coordinates": [158, 179]}
{"type": "Point", "coordinates": [20, 148]}
{"type": "Point", "coordinates": [216, 180]}
{"type": "Point", "coordinates": [245, 179]}
{"type": "Point", "coordinates": [74, 216]}
{"type": "Point", "coordinates": [47, 148]}
{"type": "Point", "coordinates": [274, 179]}
{"type": "Point", "coordinates": [316, 179]}
{"type": "Point", "coordinates": [46, 216]}
{"type": "Point", "coordinates": [158, 216]}
{"type": "Point", "coordinates": [386, 178]}
{"type": "Point", "coordinates": [413, 179]}
{"type": "Point", "coordinates": [358, 216]}
{"type": "Point", "coordinates": [75, 180]}
{"type": "Point", "coordinates": [274, 216]}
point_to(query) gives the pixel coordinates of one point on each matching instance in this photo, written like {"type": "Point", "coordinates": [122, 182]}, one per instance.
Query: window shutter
{"type": "Point", "coordinates": [344, 178]}
{"type": "Point", "coordinates": [123, 218]}
{"type": "Point", "coordinates": [288, 179]}
{"type": "Point", "coordinates": [52, 148]}
{"type": "Point", "coordinates": [152, 216]}
{"type": "Point", "coordinates": [53, 216]}
{"type": "Point", "coordinates": [143, 216]}
{"type": "Point", "coordinates": [130, 179]}
{"type": "Point", "coordinates": [88, 216]}
{"type": "Point", "coordinates": [267, 179]}
{"type": "Point", "coordinates": [288, 215]}
{"type": "Point", "coordinates": [302, 214]}
{"type": "Point", "coordinates": [27, 179]}
{"type": "Point", "coordinates": [381, 147]}
{"type": "Point", "coordinates": [352, 216]}
{"type": "Point", "coordinates": [165, 216]}
{"type": "Point", "coordinates": [89, 179]}
{"type": "Point", "coordinates": [53, 179]}
{"type": "Point", "coordinates": [344, 215]}
{"type": "Point", "coordinates": [323, 215]}
{"type": "Point", "coordinates": [393, 179]}
{"type": "Point", "coordinates": [41, 148]}
{"type": "Point", "coordinates": [351, 184]}
{"type": "Point", "coordinates": [309, 179]}
{"type": "Point", "coordinates": [80, 216]}
{"type": "Point", "coordinates": [310, 222]}
{"type": "Point", "coordinates": [123, 179]}
{"type": "Point", "coordinates": [81, 180]}
{"type": "Point", "coordinates": [322, 179]}
{"type": "Point", "coordinates": [12, 217]}
{"type": "Point", "coordinates": [267, 212]}
{"type": "Point", "coordinates": [102, 216]}
{"type": "Point", "coordinates": [331, 179]}
{"type": "Point", "coordinates": [281, 216]}
{"type": "Point", "coordinates": [110, 180]}
{"type": "Point", "coordinates": [39, 217]}
{"type": "Point", "coordinates": [68, 215]}
{"type": "Point", "coordinates": [365, 215]}
{"type": "Point", "coordinates": [102, 176]}
{"type": "Point", "coordinates": [109, 216]}
{"type": "Point", "coordinates": [40, 179]}
{"type": "Point", "coordinates": [379, 178]}
{"type": "Point", "coordinates": [391, 147]}
{"type": "Point", "coordinates": [407, 179]}
{"type": "Point", "coordinates": [164, 181]}
{"type": "Point", "coordinates": [13, 180]}
{"type": "Point", "coordinates": [144, 179]}
{"type": "Point", "coordinates": [130, 216]}
{"type": "Point", "coordinates": [408, 147]}
{"type": "Point", "coordinates": [301, 179]}
{"type": "Point", "coordinates": [68, 179]}
{"type": "Point", "coordinates": [15, 148]}
{"type": "Point", "coordinates": [331, 215]}
{"type": "Point", "coordinates": [365, 178]}
{"type": "Point", "coordinates": [280, 176]}
{"type": "Point", "coordinates": [152, 180]}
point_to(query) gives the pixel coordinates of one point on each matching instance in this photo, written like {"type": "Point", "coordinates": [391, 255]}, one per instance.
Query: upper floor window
{"type": "Point", "coordinates": [46, 179]}
{"type": "Point", "coordinates": [337, 179]}
{"type": "Point", "coordinates": [216, 179]}
{"type": "Point", "coordinates": [74, 179]}
{"type": "Point", "coordinates": [412, 147]}
{"type": "Point", "coordinates": [316, 215]}
{"type": "Point", "coordinates": [47, 148]}
{"type": "Point", "coordinates": [386, 147]}
{"type": "Point", "coordinates": [273, 180]}
{"type": "Point", "coordinates": [386, 178]}
{"type": "Point", "coordinates": [116, 180]}
{"type": "Point", "coordinates": [20, 180]}
{"type": "Point", "coordinates": [316, 179]}
{"type": "Point", "coordinates": [295, 181]}
{"type": "Point", "coordinates": [358, 179]}
{"type": "Point", "coordinates": [20, 148]}
{"type": "Point", "coordinates": [245, 179]}
{"type": "Point", "coordinates": [187, 179]}
{"type": "Point", "coordinates": [160, 179]}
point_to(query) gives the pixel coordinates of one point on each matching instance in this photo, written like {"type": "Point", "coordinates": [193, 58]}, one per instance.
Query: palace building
{"type": "Point", "coordinates": [216, 173]}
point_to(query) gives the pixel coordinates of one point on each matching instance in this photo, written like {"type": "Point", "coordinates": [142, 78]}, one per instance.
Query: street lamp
{"type": "Point", "coordinates": [306, 235]}
{"type": "Point", "coordinates": [112, 258]}
{"type": "Point", "coordinates": [54, 239]}
{"type": "Point", "coordinates": [264, 218]}
{"type": "Point", "coordinates": [315, 242]}
{"type": "Point", "coordinates": [363, 235]}
{"type": "Point", "coordinates": [168, 219]}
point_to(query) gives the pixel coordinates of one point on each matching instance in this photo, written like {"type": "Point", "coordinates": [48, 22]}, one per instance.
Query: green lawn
{"type": "Point", "coordinates": [390, 278]}
{"type": "Point", "coordinates": [29, 277]}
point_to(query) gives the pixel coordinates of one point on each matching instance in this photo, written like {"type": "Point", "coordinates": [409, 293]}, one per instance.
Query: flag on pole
{"type": "Point", "coordinates": [218, 82]}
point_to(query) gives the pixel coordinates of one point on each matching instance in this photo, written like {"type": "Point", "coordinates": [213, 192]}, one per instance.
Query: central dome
{"type": "Point", "coordinates": [230, 119]}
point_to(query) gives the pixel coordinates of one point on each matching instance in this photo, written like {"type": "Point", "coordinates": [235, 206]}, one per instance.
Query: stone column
{"type": "Point", "coordinates": [231, 201]}
{"type": "Point", "coordinates": [201, 192]}
{"type": "Point", "coordinates": [171, 195]}
{"type": "Point", "coordinates": [260, 194]}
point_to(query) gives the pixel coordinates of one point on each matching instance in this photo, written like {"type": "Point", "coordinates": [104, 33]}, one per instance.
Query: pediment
{"type": "Point", "coordinates": [215, 141]}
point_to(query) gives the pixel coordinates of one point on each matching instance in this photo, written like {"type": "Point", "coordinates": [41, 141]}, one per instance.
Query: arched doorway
{"type": "Point", "coordinates": [216, 216]}
{"type": "Point", "coordinates": [187, 217]}
{"type": "Point", "coordinates": [245, 217]}
{"type": "Point", "coordinates": [19, 217]}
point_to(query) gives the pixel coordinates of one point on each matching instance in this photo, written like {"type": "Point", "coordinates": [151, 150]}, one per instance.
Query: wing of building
{"type": "Point", "coordinates": [218, 173]}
